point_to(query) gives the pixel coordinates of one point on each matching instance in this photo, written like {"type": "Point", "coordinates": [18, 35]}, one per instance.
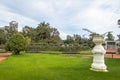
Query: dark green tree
{"type": "Point", "coordinates": [69, 40]}
{"type": "Point", "coordinates": [54, 36]}
{"type": "Point", "coordinates": [110, 37]}
{"type": "Point", "coordinates": [77, 38]}
{"type": "Point", "coordinates": [2, 37]}
{"type": "Point", "coordinates": [43, 32]}
{"type": "Point", "coordinates": [30, 32]}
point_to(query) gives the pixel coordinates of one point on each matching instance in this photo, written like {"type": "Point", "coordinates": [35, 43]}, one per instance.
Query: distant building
{"type": "Point", "coordinates": [112, 44]}
{"type": "Point", "coordinates": [13, 27]}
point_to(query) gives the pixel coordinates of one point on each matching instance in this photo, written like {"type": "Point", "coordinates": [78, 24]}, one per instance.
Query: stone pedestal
{"type": "Point", "coordinates": [98, 54]}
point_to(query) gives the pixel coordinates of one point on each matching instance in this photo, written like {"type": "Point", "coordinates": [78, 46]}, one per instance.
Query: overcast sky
{"type": "Point", "coordinates": [68, 16]}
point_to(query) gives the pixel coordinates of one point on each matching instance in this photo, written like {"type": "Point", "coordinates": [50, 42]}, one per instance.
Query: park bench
{"type": "Point", "coordinates": [111, 51]}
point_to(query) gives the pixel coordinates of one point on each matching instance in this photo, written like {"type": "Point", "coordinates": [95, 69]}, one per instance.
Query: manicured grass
{"type": "Point", "coordinates": [86, 52]}
{"type": "Point", "coordinates": [55, 67]}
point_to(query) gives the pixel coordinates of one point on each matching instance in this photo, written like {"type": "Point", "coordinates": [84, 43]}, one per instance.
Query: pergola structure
{"type": "Point", "coordinates": [112, 44]}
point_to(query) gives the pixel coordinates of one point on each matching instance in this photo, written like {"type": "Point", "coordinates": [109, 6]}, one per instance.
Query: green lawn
{"type": "Point", "coordinates": [55, 67]}
{"type": "Point", "coordinates": [86, 52]}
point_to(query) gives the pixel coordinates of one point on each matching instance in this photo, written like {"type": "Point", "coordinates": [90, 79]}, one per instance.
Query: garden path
{"type": "Point", "coordinates": [4, 56]}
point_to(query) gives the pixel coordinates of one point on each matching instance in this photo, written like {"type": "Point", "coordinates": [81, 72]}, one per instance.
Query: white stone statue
{"type": "Point", "coordinates": [98, 54]}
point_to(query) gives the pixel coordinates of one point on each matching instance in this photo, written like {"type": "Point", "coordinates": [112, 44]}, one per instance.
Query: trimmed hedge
{"type": "Point", "coordinates": [35, 47]}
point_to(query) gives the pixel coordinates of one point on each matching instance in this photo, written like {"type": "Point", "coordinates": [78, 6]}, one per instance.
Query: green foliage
{"type": "Point", "coordinates": [75, 39]}
{"type": "Point", "coordinates": [86, 43]}
{"type": "Point", "coordinates": [55, 67]}
{"type": "Point", "coordinates": [28, 41]}
{"type": "Point", "coordinates": [69, 40]}
{"type": "Point", "coordinates": [38, 47]}
{"type": "Point", "coordinates": [110, 37]}
{"type": "Point", "coordinates": [2, 37]}
{"type": "Point", "coordinates": [16, 43]}
{"type": "Point", "coordinates": [42, 33]}
{"type": "Point", "coordinates": [49, 36]}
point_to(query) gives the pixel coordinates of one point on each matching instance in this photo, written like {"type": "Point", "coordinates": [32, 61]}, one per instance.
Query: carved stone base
{"type": "Point", "coordinates": [98, 63]}
{"type": "Point", "coordinates": [99, 70]}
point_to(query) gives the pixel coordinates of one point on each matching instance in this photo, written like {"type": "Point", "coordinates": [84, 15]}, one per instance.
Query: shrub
{"type": "Point", "coordinates": [16, 43]}
{"type": "Point", "coordinates": [28, 41]}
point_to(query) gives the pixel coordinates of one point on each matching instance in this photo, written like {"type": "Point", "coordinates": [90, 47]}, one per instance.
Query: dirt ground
{"type": "Point", "coordinates": [112, 55]}
{"type": "Point", "coordinates": [4, 56]}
